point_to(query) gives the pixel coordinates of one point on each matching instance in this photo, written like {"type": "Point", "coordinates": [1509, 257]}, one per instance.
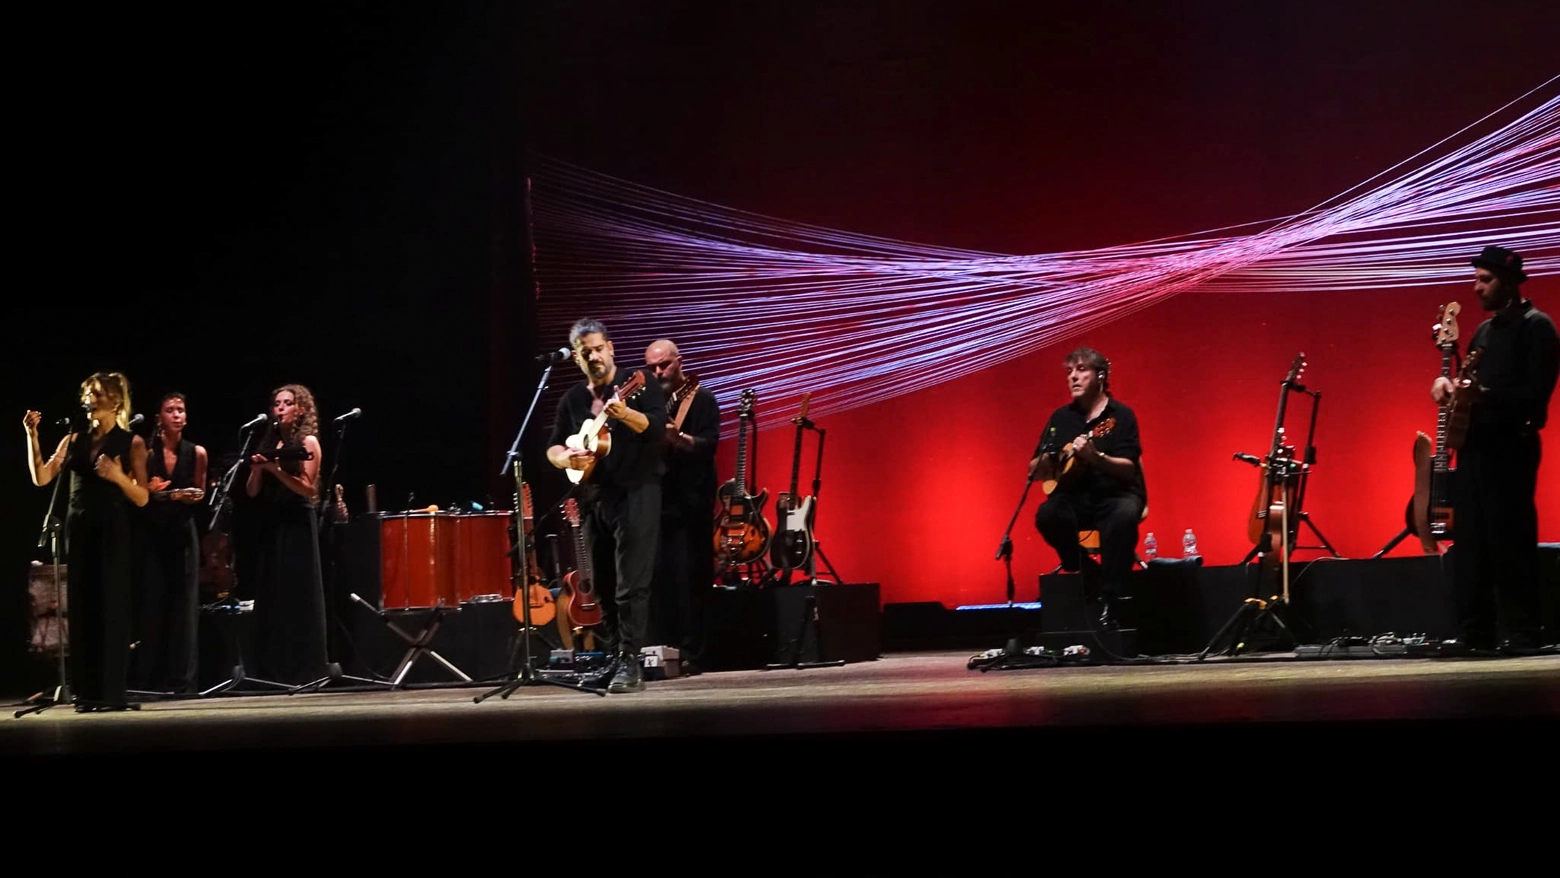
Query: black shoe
{"type": "Point", "coordinates": [1459, 647]}
{"type": "Point", "coordinates": [689, 668]}
{"type": "Point", "coordinates": [629, 676]}
{"type": "Point", "coordinates": [1519, 645]}
{"type": "Point", "coordinates": [1108, 616]}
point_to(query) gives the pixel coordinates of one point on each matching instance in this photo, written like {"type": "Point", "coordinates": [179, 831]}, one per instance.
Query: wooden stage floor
{"type": "Point", "coordinates": [913, 712]}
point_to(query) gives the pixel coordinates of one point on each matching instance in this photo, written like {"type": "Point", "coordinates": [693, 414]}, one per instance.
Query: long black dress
{"type": "Point", "coordinates": [289, 590]}
{"type": "Point", "coordinates": [99, 578]}
{"type": "Point", "coordinates": [169, 613]}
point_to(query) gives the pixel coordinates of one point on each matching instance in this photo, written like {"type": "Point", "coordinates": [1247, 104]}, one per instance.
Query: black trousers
{"type": "Point", "coordinates": [168, 614]}
{"type": "Point", "coordinates": [1115, 516]}
{"type": "Point", "coordinates": [684, 576]}
{"type": "Point", "coordinates": [1495, 589]}
{"type": "Point", "coordinates": [622, 531]}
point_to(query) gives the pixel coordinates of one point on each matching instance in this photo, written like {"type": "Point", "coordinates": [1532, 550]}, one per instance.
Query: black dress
{"type": "Point", "coordinates": [169, 611]}
{"type": "Point", "coordinates": [289, 613]}
{"type": "Point", "coordinates": [99, 576]}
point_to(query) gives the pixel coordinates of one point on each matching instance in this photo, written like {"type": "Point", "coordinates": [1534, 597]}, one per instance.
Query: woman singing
{"type": "Point", "coordinates": [107, 465]}
{"type": "Point", "coordinates": [170, 598]}
{"type": "Point", "coordinates": [289, 587]}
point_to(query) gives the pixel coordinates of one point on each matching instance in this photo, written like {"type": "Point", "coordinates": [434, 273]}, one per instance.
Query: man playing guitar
{"type": "Point", "coordinates": [620, 498]}
{"type": "Point", "coordinates": [685, 568]}
{"type": "Point", "coordinates": [1090, 450]}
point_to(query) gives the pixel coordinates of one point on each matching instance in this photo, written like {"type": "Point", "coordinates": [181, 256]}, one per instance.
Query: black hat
{"type": "Point", "coordinates": [1505, 263]}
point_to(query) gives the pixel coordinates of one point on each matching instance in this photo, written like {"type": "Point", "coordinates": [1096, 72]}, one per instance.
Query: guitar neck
{"type": "Point", "coordinates": [1444, 412]}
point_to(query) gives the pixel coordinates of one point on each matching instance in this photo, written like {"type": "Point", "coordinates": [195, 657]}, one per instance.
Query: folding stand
{"type": "Point", "coordinates": [417, 645]}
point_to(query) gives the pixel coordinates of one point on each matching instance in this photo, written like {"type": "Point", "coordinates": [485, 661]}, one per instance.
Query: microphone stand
{"type": "Point", "coordinates": [50, 536]}
{"type": "Point", "coordinates": [528, 675]}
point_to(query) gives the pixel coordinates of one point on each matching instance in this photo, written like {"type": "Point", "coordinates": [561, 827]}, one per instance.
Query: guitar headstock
{"type": "Point", "coordinates": [525, 501]}
{"type": "Point", "coordinates": [1445, 329]}
{"type": "Point", "coordinates": [806, 401]}
{"type": "Point", "coordinates": [1103, 428]}
{"type": "Point", "coordinates": [746, 404]}
{"type": "Point", "coordinates": [634, 384]}
{"type": "Point", "coordinates": [571, 512]}
{"type": "Point", "coordinates": [1470, 365]}
{"type": "Point", "coordinates": [1296, 369]}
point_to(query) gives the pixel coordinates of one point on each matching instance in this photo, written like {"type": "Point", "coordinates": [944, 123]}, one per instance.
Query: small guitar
{"type": "Point", "coordinates": [794, 547]}
{"type": "Point", "coordinates": [595, 435]}
{"type": "Point", "coordinates": [583, 609]}
{"type": "Point", "coordinates": [741, 532]}
{"type": "Point", "coordinates": [1066, 458]}
{"type": "Point", "coordinates": [535, 594]}
{"type": "Point", "coordinates": [338, 506]}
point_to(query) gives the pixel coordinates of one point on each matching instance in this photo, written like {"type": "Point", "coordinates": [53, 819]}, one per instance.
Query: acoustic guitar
{"type": "Point", "coordinates": [584, 610]}
{"type": "Point", "coordinates": [595, 435]}
{"type": "Point", "coordinates": [1272, 524]}
{"type": "Point", "coordinates": [536, 593]}
{"type": "Point", "coordinates": [741, 532]}
{"type": "Point", "coordinates": [1066, 473]}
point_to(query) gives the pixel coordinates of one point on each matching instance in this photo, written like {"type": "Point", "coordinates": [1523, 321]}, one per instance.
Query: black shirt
{"type": "Point", "coordinates": [690, 475]}
{"type": "Point", "coordinates": [1517, 368]}
{"type": "Point", "coordinates": [1117, 436]}
{"type": "Point", "coordinates": [634, 458]}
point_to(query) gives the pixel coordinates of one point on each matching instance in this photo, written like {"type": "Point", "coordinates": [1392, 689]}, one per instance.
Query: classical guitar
{"type": "Point", "coordinates": [536, 594]}
{"type": "Point", "coordinates": [794, 544]}
{"type": "Point", "coordinates": [1430, 509]}
{"type": "Point", "coordinates": [741, 532]}
{"type": "Point", "coordinates": [584, 611]}
{"type": "Point", "coordinates": [1066, 473]}
{"type": "Point", "coordinates": [595, 435]}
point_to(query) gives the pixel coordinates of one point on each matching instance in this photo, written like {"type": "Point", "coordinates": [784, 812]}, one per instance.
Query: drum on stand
{"type": "Point", "coordinates": [417, 554]}
{"type": "Point", "coordinates": [483, 556]}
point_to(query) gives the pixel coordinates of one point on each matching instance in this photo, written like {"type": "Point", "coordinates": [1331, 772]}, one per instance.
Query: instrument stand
{"type": "Point", "coordinates": [1253, 612]}
{"type": "Point", "coordinates": [1005, 548]}
{"type": "Point", "coordinates": [809, 620]}
{"type": "Point", "coordinates": [417, 646]}
{"type": "Point", "coordinates": [50, 536]}
{"type": "Point", "coordinates": [235, 651]}
{"type": "Point", "coordinates": [782, 575]}
{"type": "Point", "coordinates": [528, 674]}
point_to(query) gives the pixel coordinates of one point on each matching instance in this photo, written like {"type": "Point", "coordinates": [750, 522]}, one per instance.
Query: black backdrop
{"type": "Point", "coordinates": [317, 193]}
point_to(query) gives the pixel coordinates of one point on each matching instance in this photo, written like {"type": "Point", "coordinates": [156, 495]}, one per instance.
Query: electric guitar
{"type": "Point", "coordinates": [595, 435]}
{"type": "Point", "coordinates": [794, 547]}
{"type": "Point", "coordinates": [1066, 458]}
{"type": "Point", "coordinates": [741, 533]}
{"type": "Point", "coordinates": [584, 611]}
{"type": "Point", "coordinates": [535, 593]}
{"type": "Point", "coordinates": [1430, 509]}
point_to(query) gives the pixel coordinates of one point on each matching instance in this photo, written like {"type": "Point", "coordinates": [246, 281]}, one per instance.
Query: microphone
{"type": "Point", "coordinates": [557, 356]}
{"type": "Point", "coordinates": [1248, 458]}
{"type": "Point", "coordinates": [136, 421]}
{"type": "Point", "coordinates": [349, 415]}
{"type": "Point", "coordinates": [258, 420]}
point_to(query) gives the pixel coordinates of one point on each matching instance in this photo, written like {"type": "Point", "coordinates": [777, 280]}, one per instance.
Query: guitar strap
{"type": "Point", "coordinates": [685, 403]}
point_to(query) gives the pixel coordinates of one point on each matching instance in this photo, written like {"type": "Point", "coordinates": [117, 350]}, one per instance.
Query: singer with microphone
{"type": "Point", "coordinates": [168, 615]}
{"type": "Point", "coordinates": [283, 542]}
{"type": "Point", "coordinates": [1089, 458]}
{"type": "Point", "coordinates": [107, 467]}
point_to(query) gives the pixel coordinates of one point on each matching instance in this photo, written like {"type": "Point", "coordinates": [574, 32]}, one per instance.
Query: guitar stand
{"type": "Point", "coordinates": [1246, 621]}
{"type": "Point", "coordinates": [809, 620]}
{"type": "Point", "coordinates": [1305, 519]}
{"type": "Point", "coordinates": [417, 646]}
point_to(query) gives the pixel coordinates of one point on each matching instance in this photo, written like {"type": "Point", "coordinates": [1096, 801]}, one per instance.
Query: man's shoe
{"type": "Point", "coordinates": [629, 676]}
{"type": "Point", "coordinates": [1108, 617]}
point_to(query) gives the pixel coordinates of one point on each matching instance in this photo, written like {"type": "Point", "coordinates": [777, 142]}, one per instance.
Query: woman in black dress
{"type": "Point", "coordinates": [289, 589]}
{"type": "Point", "coordinates": [169, 615]}
{"type": "Point", "coordinates": [107, 466]}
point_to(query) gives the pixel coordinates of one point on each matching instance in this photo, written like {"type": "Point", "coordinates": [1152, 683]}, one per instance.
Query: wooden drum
{"type": "Point", "coordinates": [482, 563]}
{"type": "Point", "coordinates": [417, 560]}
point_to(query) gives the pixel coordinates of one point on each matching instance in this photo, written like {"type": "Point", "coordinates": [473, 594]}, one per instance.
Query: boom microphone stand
{"type": "Point", "coordinates": [528, 674]}
{"type": "Point", "coordinates": [50, 536]}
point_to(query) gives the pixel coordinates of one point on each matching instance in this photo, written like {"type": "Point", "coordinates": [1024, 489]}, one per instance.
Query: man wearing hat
{"type": "Point", "coordinates": [1495, 589]}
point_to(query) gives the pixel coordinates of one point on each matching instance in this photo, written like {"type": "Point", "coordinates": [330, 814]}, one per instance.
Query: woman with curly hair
{"type": "Point", "coordinates": [107, 465]}
{"type": "Point", "coordinates": [289, 589]}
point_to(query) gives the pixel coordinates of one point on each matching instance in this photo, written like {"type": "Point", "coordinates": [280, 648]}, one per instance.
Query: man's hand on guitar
{"type": "Point", "coordinates": [1043, 467]}
{"type": "Point", "coordinates": [578, 458]}
{"type": "Point", "coordinates": [1083, 449]}
{"type": "Point", "coordinates": [677, 439]}
{"type": "Point", "coordinates": [1441, 390]}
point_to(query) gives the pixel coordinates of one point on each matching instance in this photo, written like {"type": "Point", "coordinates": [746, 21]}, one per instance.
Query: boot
{"type": "Point", "coordinates": [629, 676]}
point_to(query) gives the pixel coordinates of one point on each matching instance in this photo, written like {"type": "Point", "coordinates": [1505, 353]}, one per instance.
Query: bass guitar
{"type": "Point", "coordinates": [536, 594]}
{"type": "Point", "coordinates": [741, 533]}
{"type": "Point", "coordinates": [1430, 509]}
{"type": "Point", "coordinates": [1066, 472]}
{"type": "Point", "coordinates": [584, 610]}
{"type": "Point", "coordinates": [595, 435]}
{"type": "Point", "coordinates": [794, 545]}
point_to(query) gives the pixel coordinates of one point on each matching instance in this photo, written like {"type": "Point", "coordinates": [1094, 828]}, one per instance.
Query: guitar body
{"type": "Point", "coordinates": [741, 531]}
{"type": "Point", "coordinates": [584, 610]}
{"type": "Point", "coordinates": [794, 547]}
{"type": "Point", "coordinates": [1067, 472]}
{"type": "Point", "coordinates": [595, 435]}
{"type": "Point", "coordinates": [1419, 507]}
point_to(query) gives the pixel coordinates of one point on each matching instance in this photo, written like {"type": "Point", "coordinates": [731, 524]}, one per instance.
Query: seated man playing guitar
{"type": "Point", "coordinates": [607, 436]}
{"type": "Point", "coordinates": [1088, 459]}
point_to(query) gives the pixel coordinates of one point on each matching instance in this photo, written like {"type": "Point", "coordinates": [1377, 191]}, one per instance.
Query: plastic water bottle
{"type": "Point", "coordinates": [1189, 544]}
{"type": "Point", "coordinates": [1150, 547]}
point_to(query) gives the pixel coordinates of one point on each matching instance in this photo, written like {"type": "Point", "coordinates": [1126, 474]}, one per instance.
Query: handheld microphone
{"type": "Point", "coordinates": [1248, 458]}
{"type": "Point", "coordinates": [257, 421]}
{"type": "Point", "coordinates": [349, 415]}
{"type": "Point", "coordinates": [557, 356]}
{"type": "Point", "coordinates": [136, 421]}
